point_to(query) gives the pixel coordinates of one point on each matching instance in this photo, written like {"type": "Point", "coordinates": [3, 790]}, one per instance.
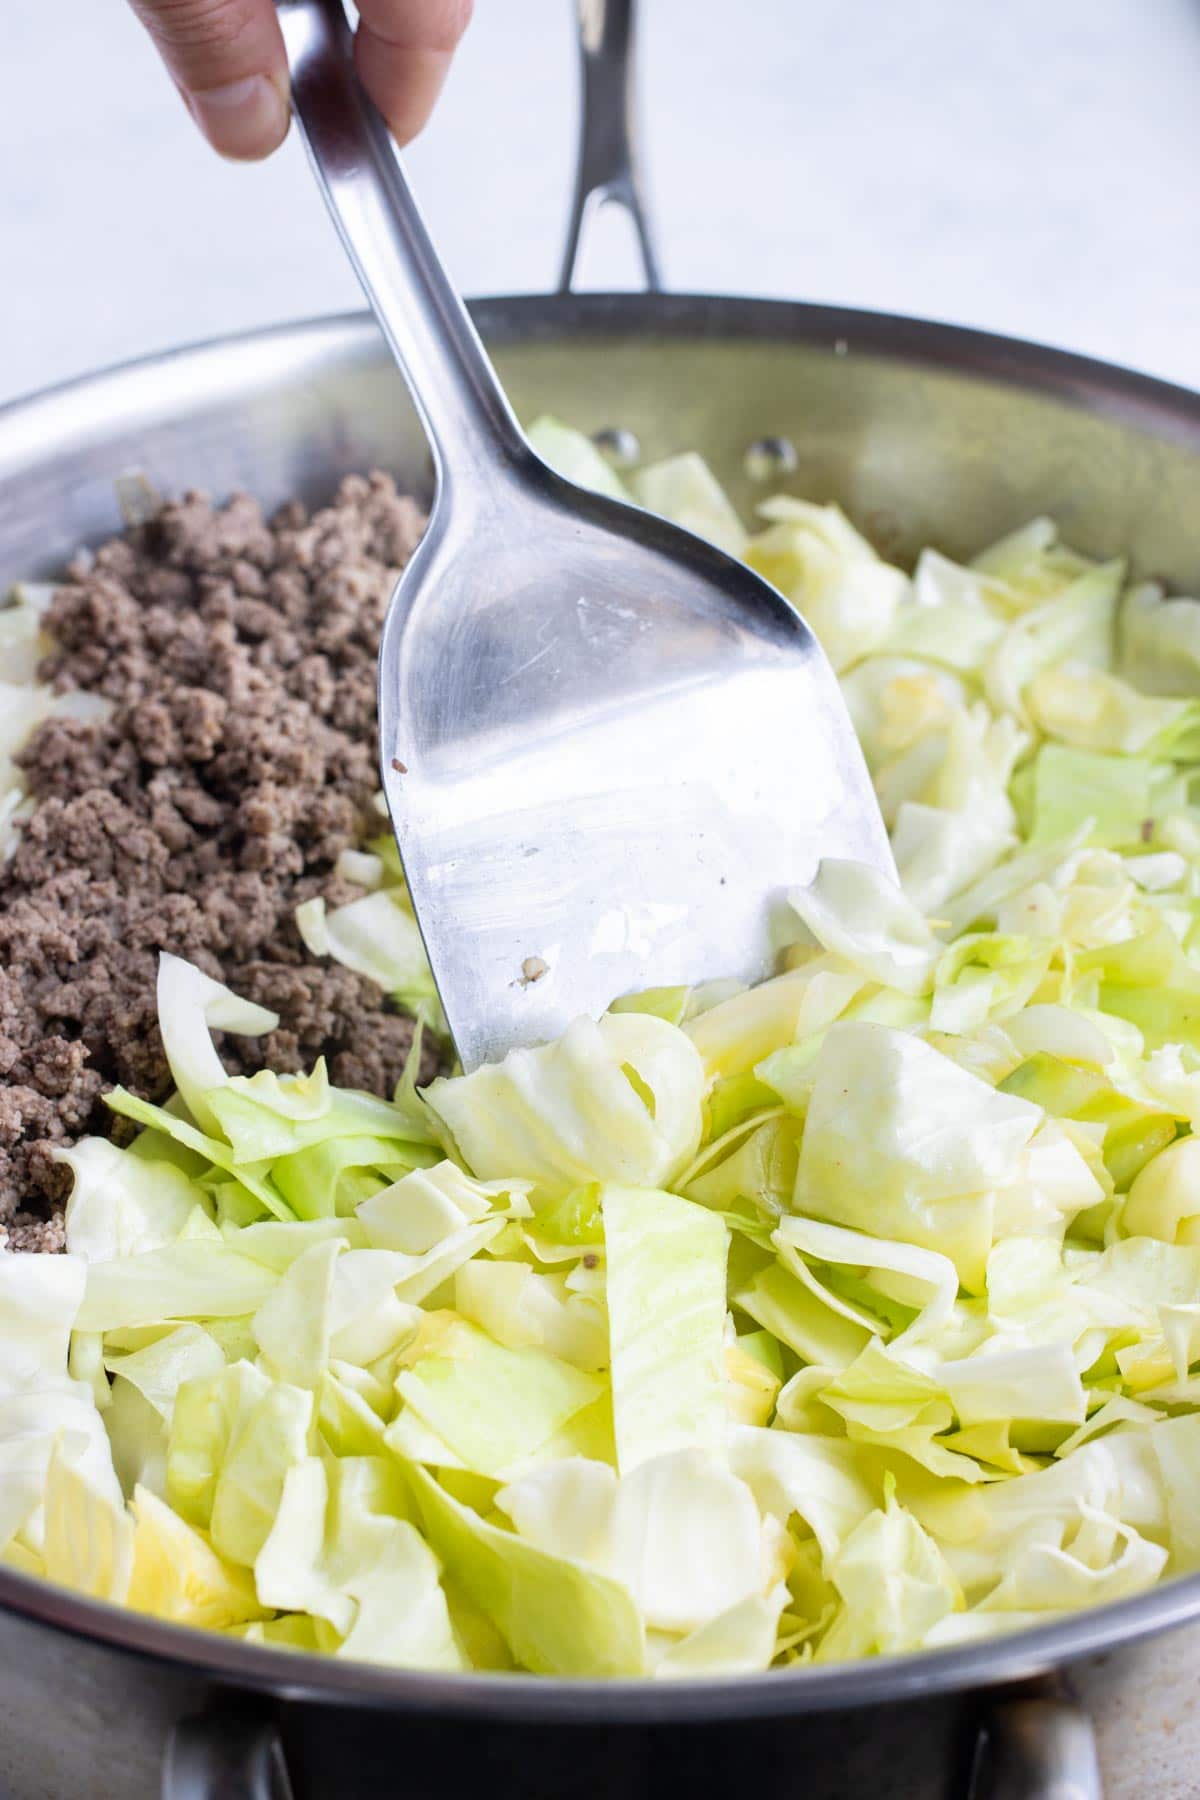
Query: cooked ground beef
{"type": "Point", "coordinates": [238, 761]}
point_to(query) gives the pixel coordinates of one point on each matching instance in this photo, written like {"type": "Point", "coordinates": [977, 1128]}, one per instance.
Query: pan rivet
{"type": "Point", "coordinates": [617, 446]}
{"type": "Point", "coordinates": [769, 457]}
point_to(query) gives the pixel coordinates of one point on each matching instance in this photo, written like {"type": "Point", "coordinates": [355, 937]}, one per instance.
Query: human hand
{"type": "Point", "coordinates": [227, 59]}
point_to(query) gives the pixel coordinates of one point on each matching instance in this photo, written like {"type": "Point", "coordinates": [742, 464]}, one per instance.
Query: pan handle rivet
{"type": "Point", "coordinates": [618, 447]}
{"type": "Point", "coordinates": [769, 457]}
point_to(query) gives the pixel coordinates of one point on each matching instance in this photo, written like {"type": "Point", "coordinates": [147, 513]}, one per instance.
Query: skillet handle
{"type": "Point", "coordinates": [1036, 1746]}
{"type": "Point", "coordinates": [219, 1755]}
{"type": "Point", "coordinates": [608, 168]}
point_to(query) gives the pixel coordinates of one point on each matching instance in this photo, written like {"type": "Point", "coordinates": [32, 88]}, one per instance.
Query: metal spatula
{"type": "Point", "coordinates": [608, 748]}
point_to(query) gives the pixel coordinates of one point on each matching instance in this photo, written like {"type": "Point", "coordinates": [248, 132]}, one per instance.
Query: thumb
{"type": "Point", "coordinates": [228, 61]}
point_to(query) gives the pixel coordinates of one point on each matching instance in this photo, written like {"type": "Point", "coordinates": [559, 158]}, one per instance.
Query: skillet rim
{"type": "Point", "coordinates": [30, 426]}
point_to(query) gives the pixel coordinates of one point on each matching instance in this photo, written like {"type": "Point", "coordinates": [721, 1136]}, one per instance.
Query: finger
{"type": "Point", "coordinates": [228, 61]}
{"type": "Point", "coordinates": [403, 51]}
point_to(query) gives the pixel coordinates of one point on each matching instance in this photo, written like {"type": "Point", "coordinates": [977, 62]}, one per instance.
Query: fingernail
{"type": "Point", "coordinates": [245, 119]}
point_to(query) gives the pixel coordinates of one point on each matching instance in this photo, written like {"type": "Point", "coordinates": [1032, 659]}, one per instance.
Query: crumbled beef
{"type": "Point", "coordinates": [239, 760]}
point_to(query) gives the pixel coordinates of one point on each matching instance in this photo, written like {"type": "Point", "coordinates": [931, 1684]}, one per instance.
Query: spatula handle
{"type": "Point", "coordinates": [466, 414]}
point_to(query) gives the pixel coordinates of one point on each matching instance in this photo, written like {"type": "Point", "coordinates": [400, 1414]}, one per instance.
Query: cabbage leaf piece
{"type": "Point", "coordinates": [122, 1204]}
{"type": "Point", "coordinates": [895, 1586]}
{"type": "Point", "coordinates": [574, 455]}
{"type": "Point", "coordinates": [455, 1392]}
{"type": "Point", "coordinates": [617, 1100]}
{"type": "Point", "coordinates": [557, 1615]}
{"type": "Point", "coordinates": [190, 1006]}
{"type": "Point", "coordinates": [666, 1311]}
{"type": "Point", "coordinates": [178, 1576]}
{"type": "Point", "coordinates": [902, 1143]}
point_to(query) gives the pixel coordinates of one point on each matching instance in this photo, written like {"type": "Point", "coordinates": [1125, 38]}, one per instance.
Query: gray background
{"type": "Point", "coordinates": [1030, 167]}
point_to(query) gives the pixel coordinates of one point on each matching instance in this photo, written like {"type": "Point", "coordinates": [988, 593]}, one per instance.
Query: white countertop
{"type": "Point", "coordinates": [1030, 168]}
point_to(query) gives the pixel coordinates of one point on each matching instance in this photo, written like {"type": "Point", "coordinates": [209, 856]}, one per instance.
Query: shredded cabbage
{"type": "Point", "coordinates": [852, 1314]}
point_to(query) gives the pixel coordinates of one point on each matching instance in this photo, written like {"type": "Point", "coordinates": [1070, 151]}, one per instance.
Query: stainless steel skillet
{"type": "Point", "coordinates": [924, 433]}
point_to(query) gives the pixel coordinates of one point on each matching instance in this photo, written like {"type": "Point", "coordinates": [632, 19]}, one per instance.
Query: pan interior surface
{"type": "Point", "coordinates": [923, 433]}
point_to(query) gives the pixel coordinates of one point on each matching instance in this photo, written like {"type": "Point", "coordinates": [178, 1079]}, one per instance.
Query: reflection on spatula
{"type": "Point", "coordinates": [608, 748]}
